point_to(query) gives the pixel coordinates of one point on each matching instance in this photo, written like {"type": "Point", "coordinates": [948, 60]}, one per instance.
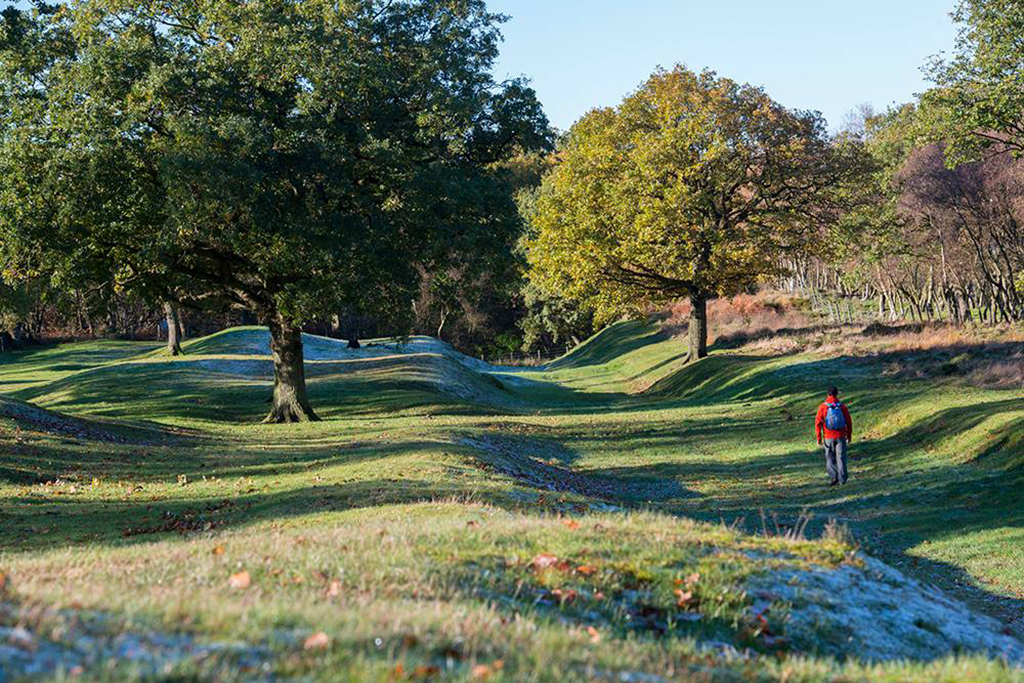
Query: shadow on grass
{"type": "Point", "coordinates": [68, 358]}
{"type": "Point", "coordinates": [41, 461]}
{"type": "Point", "coordinates": [898, 505]}
{"type": "Point", "coordinates": [37, 522]}
{"type": "Point", "coordinates": [907, 497]}
{"type": "Point", "coordinates": [172, 391]}
{"type": "Point", "coordinates": [542, 464]}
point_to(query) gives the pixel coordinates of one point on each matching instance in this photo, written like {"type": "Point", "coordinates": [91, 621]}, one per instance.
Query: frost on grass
{"type": "Point", "coordinates": [246, 353]}
{"type": "Point", "coordinates": [73, 643]}
{"type": "Point", "coordinates": [256, 342]}
{"type": "Point", "coordinates": [872, 612]}
{"type": "Point", "coordinates": [537, 464]}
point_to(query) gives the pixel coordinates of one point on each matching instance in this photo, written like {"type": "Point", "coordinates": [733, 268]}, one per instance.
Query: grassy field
{"type": "Point", "coordinates": [443, 522]}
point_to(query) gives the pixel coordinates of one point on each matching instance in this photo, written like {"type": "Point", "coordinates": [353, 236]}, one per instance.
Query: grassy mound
{"type": "Point", "coordinates": [226, 378]}
{"type": "Point", "coordinates": [612, 344]}
{"type": "Point", "coordinates": [450, 520]}
{"type": "Point", "coordinates": [255, 341]}
{"type": "Point", "coordinates": [19, 416]}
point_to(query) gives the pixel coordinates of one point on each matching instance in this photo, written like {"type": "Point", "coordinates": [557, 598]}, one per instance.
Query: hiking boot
{"type": "Point", "coordinates": [833, 483]}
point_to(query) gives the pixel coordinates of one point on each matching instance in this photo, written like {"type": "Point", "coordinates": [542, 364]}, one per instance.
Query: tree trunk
{"type": "Point", "coordinates": [444, 319]}
{"type": "Point", "coordinates": [173, 329]}
{"type": "Point", "coordinates": [698, 331]}
{"type": "Point", "coordinates": [290, 403]}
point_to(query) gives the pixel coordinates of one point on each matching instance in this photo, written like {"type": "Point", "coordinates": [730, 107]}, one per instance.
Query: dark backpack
{"type": "Point", "coordinates": [834, 418]}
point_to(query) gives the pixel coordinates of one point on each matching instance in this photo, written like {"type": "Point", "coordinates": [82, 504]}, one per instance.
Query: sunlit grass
{"type": "Point", "coordinates": [382, 522]}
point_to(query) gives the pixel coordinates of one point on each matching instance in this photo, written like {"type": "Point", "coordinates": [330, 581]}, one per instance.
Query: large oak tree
{"type": "Point", "coordinates": [291, 159]}
{"type": "Point", "coordinates": [693, 187]}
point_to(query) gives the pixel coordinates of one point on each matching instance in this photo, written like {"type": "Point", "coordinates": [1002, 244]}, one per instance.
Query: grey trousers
{"type": "Point", "coordinates": [835, 459]}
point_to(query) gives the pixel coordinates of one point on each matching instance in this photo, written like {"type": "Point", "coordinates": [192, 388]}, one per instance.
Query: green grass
{"type": "Point", "coordinates": [404, 524]}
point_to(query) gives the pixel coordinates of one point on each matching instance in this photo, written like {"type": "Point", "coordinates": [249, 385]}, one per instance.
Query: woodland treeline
{"type": "Point", "coordinates": [697, 187]}
{"type": "Point", "coordinates": [942, 240]}
{"type": "Point", "coordinates": [172, 168]}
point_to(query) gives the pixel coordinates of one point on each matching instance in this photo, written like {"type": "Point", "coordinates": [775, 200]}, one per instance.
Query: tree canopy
{"type": "Point", "coordinates": [692, 187]}
{"type": "Point", "coordinates": [981, 88]}
{"type": "Point", "coordinates": [288, 159]}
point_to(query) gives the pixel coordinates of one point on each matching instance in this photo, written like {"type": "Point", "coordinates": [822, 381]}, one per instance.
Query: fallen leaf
{"type": "Point", "coordinates": [239, 580]}
{"type": "Point", "coordinates": [481, 672]}
{"type": "Point", "coordinates": [683, 598]}
{"type": "Point", "coordinates": [334, 589]}
{"type": "Point", "coordinates": [543, 561]}
{"type": "Point", "coordinates": [586, 570]}
{"type": "Point", "coordinates": [572, 524]}
{"type": "Point", "coordinates": [219, 550]}
{"type": "Point", "coordinates": [595, 635]}
{"type": "Point", "coordinates": [317, 641]}
{"type": "Point", "coordinates": [692, 579]}
{"type": "Point", "coordinates": [564, 595]}
{"type": "Point", "coordinates": [472, 523]}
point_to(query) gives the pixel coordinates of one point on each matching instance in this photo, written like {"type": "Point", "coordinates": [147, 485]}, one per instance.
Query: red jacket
{"type": "Point", "coordinates": [819, 422]}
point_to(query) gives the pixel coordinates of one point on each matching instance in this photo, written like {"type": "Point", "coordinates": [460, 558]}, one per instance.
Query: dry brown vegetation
{"type": "Point", "coordinates": [771, 324]}
{"type": "Point", "coordinates": [745, 316]}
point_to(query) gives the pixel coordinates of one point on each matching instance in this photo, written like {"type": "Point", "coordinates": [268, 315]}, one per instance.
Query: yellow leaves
{"type": "Point", "coordinates": [652, 197]}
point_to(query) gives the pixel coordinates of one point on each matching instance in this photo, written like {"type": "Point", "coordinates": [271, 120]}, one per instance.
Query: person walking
{"type": "Point", "coordinates": [834, 429]}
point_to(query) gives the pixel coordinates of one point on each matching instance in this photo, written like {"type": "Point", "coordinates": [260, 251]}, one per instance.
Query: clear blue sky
{"type": "Point", "coordinates": [827, 55]}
